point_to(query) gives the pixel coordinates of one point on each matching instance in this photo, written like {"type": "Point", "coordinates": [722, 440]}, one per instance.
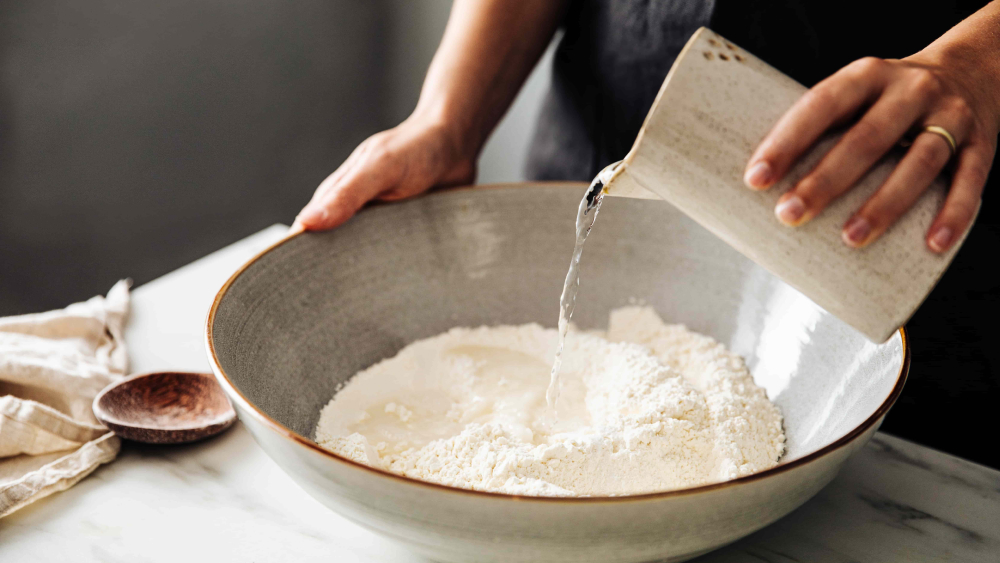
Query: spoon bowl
{"type": "Point", "coordinates": [165, 407]}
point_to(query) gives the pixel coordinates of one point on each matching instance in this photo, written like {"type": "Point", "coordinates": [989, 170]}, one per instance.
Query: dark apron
{"type": "Point", "coordinates": [607, 70]}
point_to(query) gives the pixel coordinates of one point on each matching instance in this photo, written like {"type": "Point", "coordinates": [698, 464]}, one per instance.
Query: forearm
{"type": "Point", "coordinates": [974, 47]}
{"type": "Point", "coordinates": [488, 50]}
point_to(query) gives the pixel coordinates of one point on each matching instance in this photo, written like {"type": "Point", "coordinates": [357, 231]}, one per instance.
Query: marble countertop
{"type": "Point", "coordinates": [225, 500]}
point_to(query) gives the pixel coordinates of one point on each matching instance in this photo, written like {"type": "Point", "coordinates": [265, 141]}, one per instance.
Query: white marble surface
{"type": "Point", "coordinates": [225, 500]}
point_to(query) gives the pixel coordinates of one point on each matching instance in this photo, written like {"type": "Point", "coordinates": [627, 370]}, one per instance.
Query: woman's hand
{"type": "Point", "coordinates": [940, 87]}
{"type": "Point", "coordinates": [404, 161]}
{"type": "Point", "coordinates": [487, 51]}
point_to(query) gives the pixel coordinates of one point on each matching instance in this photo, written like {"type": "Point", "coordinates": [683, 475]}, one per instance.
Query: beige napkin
{"type": "Point", "coordinates": [52, 365]}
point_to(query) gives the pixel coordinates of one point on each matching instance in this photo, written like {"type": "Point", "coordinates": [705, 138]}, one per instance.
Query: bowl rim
{"type": "Point", "coordinates": [237, 397]}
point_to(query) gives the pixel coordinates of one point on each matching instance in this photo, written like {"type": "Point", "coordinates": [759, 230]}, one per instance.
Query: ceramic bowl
{"type": "Point", "coordinates": [308, 313]}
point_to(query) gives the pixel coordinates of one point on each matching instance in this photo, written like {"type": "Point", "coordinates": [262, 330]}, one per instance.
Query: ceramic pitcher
{"type": "Point", "coordinates": [716, 104]}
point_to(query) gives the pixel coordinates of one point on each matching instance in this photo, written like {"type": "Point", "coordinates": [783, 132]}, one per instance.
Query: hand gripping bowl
{"type": "Point", "coordinates": [312, 310]}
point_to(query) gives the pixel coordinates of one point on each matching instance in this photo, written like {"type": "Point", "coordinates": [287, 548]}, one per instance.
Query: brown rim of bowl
{"type": "Point", "coordinates": [238, 398]}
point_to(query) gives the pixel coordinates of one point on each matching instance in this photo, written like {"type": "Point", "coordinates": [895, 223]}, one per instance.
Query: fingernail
{"type": "Point", "coordinates": [312, 216]}
{"type": "Point", "coordinates": [758, 175]}
{"type": "Point", "coordinates": [939, 241]}
{"type": "Point", "coordinates": [856, 231]}
{"type": "Point", "coordinates": [791, 210]}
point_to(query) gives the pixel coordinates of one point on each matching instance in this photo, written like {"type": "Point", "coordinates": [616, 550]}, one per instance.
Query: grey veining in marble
{"type": "Point", "coordinates": [894, 501]}
{"type": "Point", "coordinates": [224, 500]}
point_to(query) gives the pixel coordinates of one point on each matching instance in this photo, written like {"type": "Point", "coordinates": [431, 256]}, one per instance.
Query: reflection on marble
{"type": "Point", "coordinates": [221, 500]}
{"type": "Point", "coordinates": [893, 501]}
{"type": "Point", "coordinates": [225, 500]}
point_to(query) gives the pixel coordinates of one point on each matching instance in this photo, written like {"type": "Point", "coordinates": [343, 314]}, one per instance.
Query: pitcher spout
{"type": "Point", "coordinates": [614, 180]}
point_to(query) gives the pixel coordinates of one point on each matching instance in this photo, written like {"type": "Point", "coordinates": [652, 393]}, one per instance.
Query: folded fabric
{"type": "Point", "coordinates": [52, 365]}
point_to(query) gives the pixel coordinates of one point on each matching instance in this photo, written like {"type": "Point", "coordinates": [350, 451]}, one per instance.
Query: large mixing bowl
{"type": "Point", "coordinates": [308, 313]}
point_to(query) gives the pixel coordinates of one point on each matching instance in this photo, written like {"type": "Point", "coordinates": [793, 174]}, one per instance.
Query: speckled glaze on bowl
{"type": "Point", "coordinates": [716, 105]}
{"type": "Point", "coordinates": [315, 308]}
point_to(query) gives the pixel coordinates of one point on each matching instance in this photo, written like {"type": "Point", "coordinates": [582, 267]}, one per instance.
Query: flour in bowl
{"type": "Point", "coordinates": [645, 407]}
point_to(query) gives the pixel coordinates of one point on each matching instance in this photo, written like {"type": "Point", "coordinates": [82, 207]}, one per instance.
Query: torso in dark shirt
{"type": "Point", "coordinates": [608, 68]}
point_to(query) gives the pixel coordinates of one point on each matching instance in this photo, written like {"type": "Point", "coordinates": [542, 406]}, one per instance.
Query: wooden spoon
{"type": "Point", "coordinates": [165, 407]}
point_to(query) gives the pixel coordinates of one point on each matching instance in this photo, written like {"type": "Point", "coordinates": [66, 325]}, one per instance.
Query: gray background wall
{"type": "Point", "coordinates": [136, 136]}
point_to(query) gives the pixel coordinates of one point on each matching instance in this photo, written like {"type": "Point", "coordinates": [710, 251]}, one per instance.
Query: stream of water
{"type": "Point", "coordinates": [586, 216]}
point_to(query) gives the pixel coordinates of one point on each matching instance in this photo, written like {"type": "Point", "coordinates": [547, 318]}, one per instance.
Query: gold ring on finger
{"type": "Point", "coordinates": [944, 134]}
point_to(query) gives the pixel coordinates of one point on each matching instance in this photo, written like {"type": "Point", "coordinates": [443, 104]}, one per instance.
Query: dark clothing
{"type": "Point", "coordinates": [608, 68]}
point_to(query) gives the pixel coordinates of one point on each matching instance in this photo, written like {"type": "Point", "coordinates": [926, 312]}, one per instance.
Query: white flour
{"type": "Point", "coordinates": [645, 407]}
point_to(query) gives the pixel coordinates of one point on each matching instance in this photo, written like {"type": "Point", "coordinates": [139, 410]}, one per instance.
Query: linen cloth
{"type": "Point", "coordinates": [52, 365]}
